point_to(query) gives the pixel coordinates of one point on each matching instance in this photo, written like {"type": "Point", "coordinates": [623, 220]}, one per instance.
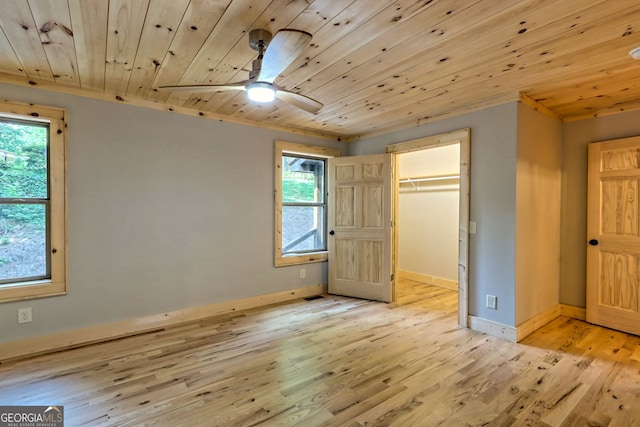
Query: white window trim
{"type": "Point", "coordinates": [57, 285]}
{"type": "Point", "coordinates": [283, 147]}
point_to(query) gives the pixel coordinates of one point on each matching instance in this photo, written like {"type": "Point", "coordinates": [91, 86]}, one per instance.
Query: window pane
{"type": "Point", "coordinates": [302, 229]}
{"type": "Point", "coordinates": [302, 180]}
{"type": "Point", "coordinates": [23, 242]}
{"type": "Point", "coordinates": [23, 160]}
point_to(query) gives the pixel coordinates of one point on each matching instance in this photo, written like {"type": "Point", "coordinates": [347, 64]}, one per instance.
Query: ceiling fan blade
{"type": "Point", "coordinates": [300, 101]}
{"type": "Point", "coordinates": [283, 49]}
{"type": "Point", "coordinates": [206, 88]}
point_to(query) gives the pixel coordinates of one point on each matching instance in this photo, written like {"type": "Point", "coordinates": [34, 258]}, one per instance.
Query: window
{"type": "Point", "coordinates": [32, 202]}
{"type": "Point", "coordinates": [301, 203]}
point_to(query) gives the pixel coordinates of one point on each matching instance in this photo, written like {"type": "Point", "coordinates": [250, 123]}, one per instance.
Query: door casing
{"type": "Point", "coordinates": [462, 137]}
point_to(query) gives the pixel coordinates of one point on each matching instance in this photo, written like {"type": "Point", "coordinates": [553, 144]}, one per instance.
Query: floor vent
{"type": "Point", "coordinates": [313, 297]}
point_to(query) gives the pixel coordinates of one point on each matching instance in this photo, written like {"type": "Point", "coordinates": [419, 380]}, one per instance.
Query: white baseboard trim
{"type": "Point", "coordinates": [92, 334]}
{"type": "Point", "coordinates": [521, 331]}
{"type": "Point", "coordinates": [429, 280]}
{"type": "Point", "coordinates": [496, 329]}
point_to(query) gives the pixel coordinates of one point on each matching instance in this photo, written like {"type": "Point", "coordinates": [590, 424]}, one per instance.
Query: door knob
{"type": "Point", "coordinates": [332, 232]}
{"type": "Point", "coordinates": [593, 242]}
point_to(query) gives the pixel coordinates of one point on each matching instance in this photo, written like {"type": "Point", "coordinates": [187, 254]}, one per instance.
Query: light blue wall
{"type": "Point", "coordinates": [165, 212]}
{"type": "Point", "coordinates": [493, 192]}
{"type": "Point", "coordinates": [577, 136]}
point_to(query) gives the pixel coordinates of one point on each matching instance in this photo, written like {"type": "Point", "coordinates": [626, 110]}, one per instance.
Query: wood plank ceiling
{"type": "Point", "coordinates": [377, 66]}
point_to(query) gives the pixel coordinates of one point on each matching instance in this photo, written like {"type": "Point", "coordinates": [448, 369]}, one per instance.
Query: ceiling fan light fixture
{"type": "Point", "coordinates": [261, 92]}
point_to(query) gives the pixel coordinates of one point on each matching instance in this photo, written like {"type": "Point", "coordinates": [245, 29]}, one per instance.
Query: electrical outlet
{"type": "Point", "coordinates": [303, 273]}
{"type": "Point", "coordinates": [492, 302]}
{"type": "Point", "coordinates": [25, 315]}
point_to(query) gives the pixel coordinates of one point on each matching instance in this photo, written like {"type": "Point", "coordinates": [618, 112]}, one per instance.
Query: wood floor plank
{"type": "Point", "coordinates": [337, 361]}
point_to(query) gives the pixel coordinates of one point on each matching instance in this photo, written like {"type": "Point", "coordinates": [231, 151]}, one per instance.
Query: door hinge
{"type": "Point", "coordinates": [392, 277]}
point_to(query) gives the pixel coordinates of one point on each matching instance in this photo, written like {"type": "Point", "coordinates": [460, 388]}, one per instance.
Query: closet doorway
{"type": "Point", "coordinates": [431, 213]}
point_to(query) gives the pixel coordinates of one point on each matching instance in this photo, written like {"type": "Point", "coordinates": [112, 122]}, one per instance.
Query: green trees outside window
{"type": "Point", "coordinates": [24, 201]}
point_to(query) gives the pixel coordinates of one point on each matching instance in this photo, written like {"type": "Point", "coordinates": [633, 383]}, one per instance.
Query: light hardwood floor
{"type": "Point", "coordinates": [339, 361]}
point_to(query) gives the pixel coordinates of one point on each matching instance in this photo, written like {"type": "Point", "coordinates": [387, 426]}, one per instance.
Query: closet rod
{"type": "Point", "coordinates": [429, 178]}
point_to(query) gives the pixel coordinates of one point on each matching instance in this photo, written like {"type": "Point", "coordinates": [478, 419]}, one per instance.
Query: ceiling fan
{"type": "Point", "coordinates": [275, 54]}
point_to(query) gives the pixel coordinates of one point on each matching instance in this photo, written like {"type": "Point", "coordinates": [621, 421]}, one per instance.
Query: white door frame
{"type": "Point", "coordinates": [463, 137]}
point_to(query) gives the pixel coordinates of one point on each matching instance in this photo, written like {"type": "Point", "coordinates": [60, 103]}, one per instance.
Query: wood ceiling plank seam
{"type": "Point", "coordinates": [219, 99]}
{"type": "Point", "coordinates": [399, 50]}
{"type": "Point", "coordinates": [301, 20]}
{"type": "Point", "coordinates": [411, 80]}
{"type": "Point", "coordinates": [373, 128]}
{"type": "Point", "coordinates": [197, 24]}
{"type": "Point", "coordinates": [580, 80]}
{"type": "Point", "coordinates": [609, 82]}
{"type": "Point", "coordinates": [21, 31]}
{"type": "Point", "coordinates": [157, 35]}
{"type": "Point", "coordinates": [444, 106]}
{"type": "Point", "coordinates": [357, 13]}
{"type": "Point", "coordinates": [604, 28]}
{"type": "Point", "coordinates": [229, 30]}
{"type": "Point", "coordinates": [602, 112]}
{"type": "Point", "coordinates": [276, 111]}
{"type": "Point", "coordinates": [89, 25]}
{"type": "Point", "coordinates": [238, 61]}
{"type": "Point", "coordinates": [8, 58]}
{"type": "Point", "coordinates": [319, 13]}
{"type": "Point", "coordinates": [458, 22]}
{"type": "Point", "coordinates": [374, 79]}
{"type": "Point", "coordinates": [618, 57]}
{"type": "Point", "coordinates": [275, 17]}
{"type": "Point", "coordinates": [384, 45]}
{"type": "Point", "coordinates": [444, 103]}
{"type": "Point", "coordinates": [383, 34]}
{"type": "Point", "coordinates": [236, 104]}
{"type": "Point", "coordinates": [161, 96]}
{"type": "Point", "coordinates": [53, 21]}
{"type": "Point", "coordinates": [618, 81]}
{"type": "Point", "coordinates": [472, 70]}
{"type": "Point", "coordinates": [225, 35]}
{"type": "Point", "coordinates": [126, 20]}
{"type": "Point", "coordinates": [598, 103]}
{"type": "Point", "coordinates": [239, 105]}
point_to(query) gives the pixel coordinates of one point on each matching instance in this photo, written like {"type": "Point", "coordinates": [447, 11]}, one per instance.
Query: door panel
{"type": "Point", "coordinates": [613, 255]}
{"type": "Point", "coordinates": [359, 216]}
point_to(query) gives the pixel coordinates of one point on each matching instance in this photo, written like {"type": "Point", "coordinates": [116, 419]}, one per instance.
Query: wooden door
{"type": "Point", "coordinates": [613, 251]}
{"type": "Point", "coordinates": [359, 224]}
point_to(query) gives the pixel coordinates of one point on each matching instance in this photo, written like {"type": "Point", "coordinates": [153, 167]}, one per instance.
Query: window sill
{"type": "Point", "coordinates": [31, 290]}
{"type": "Point", "coordinates": [302, 259]}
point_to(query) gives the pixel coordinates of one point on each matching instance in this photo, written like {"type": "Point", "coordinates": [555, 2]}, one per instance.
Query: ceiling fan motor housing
{"type": "Point", "coordinates": [259, 38]}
